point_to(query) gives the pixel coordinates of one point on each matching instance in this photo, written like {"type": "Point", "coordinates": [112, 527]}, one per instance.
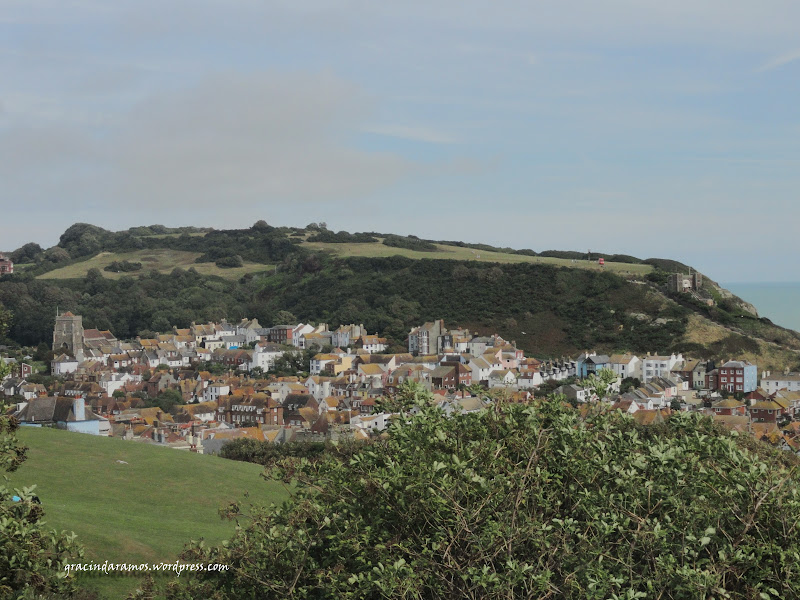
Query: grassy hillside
{"type": "Point", "coordinates": [163, 260]}
{"type": "Point", "coordinates": [142, 511]}
{"type": "Point", "coordinates": [378, 250]}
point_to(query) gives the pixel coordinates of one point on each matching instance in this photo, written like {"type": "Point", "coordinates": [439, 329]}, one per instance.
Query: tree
{"type": "Point", "coordinates": [118, 394]}
{"type": "Point", "coordinates": [5, 320]}
{"type": "Point", "coordinates": [284, 317]}
{"type": "Point", "coordinates": [33, 557]}
{"type": "Point", "coordinates": [628, 384]}
{"type": "Point", "coordinates": [600, 383]}
{"type": "Point", "coordinates": [522, 501]}
{"type": "Point", "coordinates": [167, 399]}
{"type": "Point", "coordinates": [675, 404]}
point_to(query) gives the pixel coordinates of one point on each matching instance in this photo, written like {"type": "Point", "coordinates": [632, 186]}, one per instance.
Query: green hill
{"type": "Point", "coordinates": [162, 260]}
{"type": "Point", "coordinates": [551, 302]}
{"type": "Point", "coordinates": [141, 511]}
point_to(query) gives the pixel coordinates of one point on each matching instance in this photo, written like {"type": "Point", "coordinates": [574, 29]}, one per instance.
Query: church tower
{"type": "Point", "coordinates": [68, 334]}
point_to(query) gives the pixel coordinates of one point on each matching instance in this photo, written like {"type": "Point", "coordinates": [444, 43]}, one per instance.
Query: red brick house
{"type": "Point", "coordinates": [765, 412]}
{"type": "Point", "coordinates": [729, 406]}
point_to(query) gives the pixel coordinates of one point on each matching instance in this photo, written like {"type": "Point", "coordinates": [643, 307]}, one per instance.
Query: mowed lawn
{"type": "Point", "coordinates": [142, 511]}
{"type": "Point", "coordinates": [376, 249]}
{"type": "Point", "coordinates": [162, 260]}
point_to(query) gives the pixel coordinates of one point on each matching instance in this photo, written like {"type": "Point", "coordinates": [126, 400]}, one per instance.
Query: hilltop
{"type": "Point", "coordinates": [550, 302]}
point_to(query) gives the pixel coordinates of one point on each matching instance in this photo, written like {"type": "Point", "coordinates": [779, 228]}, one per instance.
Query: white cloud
{"type": "Point", "coordinates": [230, 141]}
{"type": "Point", "coordinates": [780, 60]}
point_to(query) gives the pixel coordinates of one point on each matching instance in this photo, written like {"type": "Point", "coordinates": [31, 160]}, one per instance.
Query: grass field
{"type": "Point", "coordinates": [377, 249]}
{"type": "Point", "coordinates": [162, 260]}
{"type": "Point", "coordinates": [142, 511]}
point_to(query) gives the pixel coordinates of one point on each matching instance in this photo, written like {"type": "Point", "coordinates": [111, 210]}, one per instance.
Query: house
{"type": "Point", "coordinates": [216, 391]}
{"type": "Point", "coordinates": [502, 378]}
{"type": "Point", "coordinates": [529, 379]}
{"type": "Point", "coordinates": [658, 366]}
{"type": "Point", "coordinates": [625, 365]}
{"type": "Point", "coordinates": [345, 335]}
{"type": "Point", "coordinates": [684, 370]}
{"type": "Point", "coordinates": [371, 343]}
{"type": "Point", "coordinates": [573, 392]}
{"type": "Point", "coordinates": [729, 406]}
{"type": "Point", "coordinates": [63, 413]}
{"type": "Point", "coordinates": [252, 410]}
{"type": "Point", "coordinates": [481, 368]}
{"type": "Point", "coordinates": [590, 364]}
{"type": "Point", "coordinates": [627, 405]}
{"type": "Point", "coordinates": [789, 381]}
{"type": "Point", "coordinates": [265, 355]}
{"type": "Point", "coordinates": [63, 364]}
{"type": "Point", "coordinates": [765, 412]}
{"type": "Point", "coordinates": [738, 376]}
{"type": "Point", "coordinates": [6, 265]}
{"type": "Point", "coordinates": [425, 338]}
{"type": "Point", "coordinates": [699, 380]}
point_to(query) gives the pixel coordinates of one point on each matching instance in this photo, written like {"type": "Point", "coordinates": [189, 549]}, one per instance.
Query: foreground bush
{"type": "Point", "coordinates": [524, 502]}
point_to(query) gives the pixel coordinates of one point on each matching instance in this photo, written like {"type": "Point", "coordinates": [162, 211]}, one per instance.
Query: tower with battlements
{"type": "Point", "coordinates": [68, 334]}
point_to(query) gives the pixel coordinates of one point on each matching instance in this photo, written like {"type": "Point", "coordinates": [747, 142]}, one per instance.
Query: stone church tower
{"type": "Point", "coordinates": [68, 334]}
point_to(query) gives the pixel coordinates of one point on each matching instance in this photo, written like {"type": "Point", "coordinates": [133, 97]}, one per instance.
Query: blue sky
{"type": "Point", "coordinates": [645, 128]}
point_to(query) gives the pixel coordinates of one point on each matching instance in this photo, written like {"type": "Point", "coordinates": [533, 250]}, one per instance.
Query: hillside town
{"type": "Point", "coordinates": [199, 387]}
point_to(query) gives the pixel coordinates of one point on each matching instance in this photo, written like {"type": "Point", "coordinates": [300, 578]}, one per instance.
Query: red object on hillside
{"type": "Point", "coordinates": [6, 265]}
{"type": "Point", "coordinates": [601, 261]}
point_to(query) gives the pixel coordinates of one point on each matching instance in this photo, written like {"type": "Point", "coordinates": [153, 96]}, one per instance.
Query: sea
{"type": "Point", "coordinates": [779, 302]}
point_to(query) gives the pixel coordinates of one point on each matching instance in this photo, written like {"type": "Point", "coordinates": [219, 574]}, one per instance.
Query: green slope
{"type": "Point", "coordinates": [446, 252]}
{"type": "Point", "coordinates": [142, 511]}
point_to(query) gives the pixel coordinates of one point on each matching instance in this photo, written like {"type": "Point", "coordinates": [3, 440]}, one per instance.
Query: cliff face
{"type": "Point", "coordinates": [731, 297]}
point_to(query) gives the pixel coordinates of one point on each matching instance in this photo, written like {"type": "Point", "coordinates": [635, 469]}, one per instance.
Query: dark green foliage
{"type": "Point", "coordinates": [27, 253]}
{"type": "Point", "coordinates": [268, 454]}
{"type": "Point", "coordinates": [410, 243]}
{"type": "Point", "coordinates": [628, 384]}
{"type": "Point", "coordinates": [568, 254]}
{"type": "Point", "coordinates": [667, 265]}
{"type": "Point", "coordinates": [488, 248]}
{"type": "Point", "coordinates": [166, 400]}
{"type": "Point", "coordinates": [123, 266]}
{"type": "Point", "coordinates": [342, 237]}
{"type": "Point", "coordinates": [229, 262]}
{"type": "Point", "coordinates": [523, 502]}
{"type": "Point", "coordinates": [572, 255]}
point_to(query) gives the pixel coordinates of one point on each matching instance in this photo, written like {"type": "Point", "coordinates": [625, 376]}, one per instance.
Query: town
{"type": "Point", "coordinates": [199, 387]}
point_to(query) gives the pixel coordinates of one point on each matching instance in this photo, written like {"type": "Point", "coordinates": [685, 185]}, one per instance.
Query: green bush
{"type": "Point", "coordinates": [523, 502]}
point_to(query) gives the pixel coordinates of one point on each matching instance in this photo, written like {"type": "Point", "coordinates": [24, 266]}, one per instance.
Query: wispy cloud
{"type": "Point", "coordinates": [778, 61]}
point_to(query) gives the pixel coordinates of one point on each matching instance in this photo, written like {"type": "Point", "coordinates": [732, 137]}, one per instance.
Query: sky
{"type": "Point", "coordinates": [643, 127]}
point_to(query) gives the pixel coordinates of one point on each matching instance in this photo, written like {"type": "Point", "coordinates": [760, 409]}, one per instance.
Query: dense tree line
{"type": "Point", "coordinates": [560, 310]}
{"type": "Point", "coordinates": [342, 237]}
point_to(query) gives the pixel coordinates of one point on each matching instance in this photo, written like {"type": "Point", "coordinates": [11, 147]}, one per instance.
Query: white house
{"type": "Point", "coordinates": [654, 365]}
{"type": "Point", "coordinates": [63, 364]}
{"type": "Point", "coordinates": [530, 379]}
{"type": "Point", "coordinates": [780, 381]}
{"type": "Point", "coordinates": [214, 391]}
{"type": "Point", "coordinates": [502, 378]}
{"type": "Point", "coordinates": [264, 356]}
{"type": "Point", "coordinates": [625, 365]}
{"type": "Point", "coordinates": [480, 369]}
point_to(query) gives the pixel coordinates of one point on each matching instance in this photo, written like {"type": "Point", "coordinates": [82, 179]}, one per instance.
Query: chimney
{"type": "Point", "coordinates": [79, 408]}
